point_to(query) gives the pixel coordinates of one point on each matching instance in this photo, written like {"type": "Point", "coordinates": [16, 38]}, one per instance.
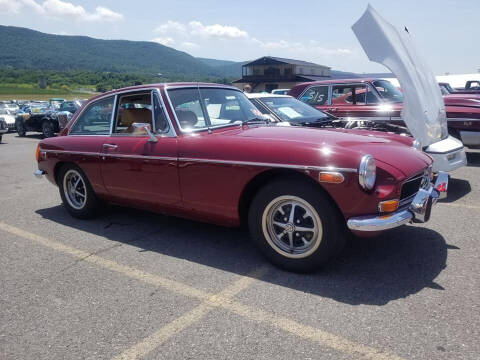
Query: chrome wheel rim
{"type": "Point", "coordinates": [74, 189]}
{"type": "Point", "coordinates": [292, 226]}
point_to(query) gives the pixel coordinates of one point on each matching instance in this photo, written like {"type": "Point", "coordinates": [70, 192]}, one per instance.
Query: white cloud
{"type": "Point", "coordinates": [201, 39]}
{"type": "Point", "coordinates": [171, 27]}
{"type": "Point", "coordinates": [167, 41]}
{"type": "Point", "coordinates": [216, 30]}
{"type": "Point", "coordinates": [189, 45]}
{"type": "Point", "coordinates": [58, 9]}
{"type": "Point", "coordinates": [9, 6]}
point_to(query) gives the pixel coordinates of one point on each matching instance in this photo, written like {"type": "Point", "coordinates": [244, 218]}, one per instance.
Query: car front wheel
{"type": "Point", "coordinates": [20, 126]}
{"type": "Point", "coordinates": [295, 225]}
{"type": "Point", "coordinates": [47, 129]}
{"type": "Point", "coordinates": [76, 192]}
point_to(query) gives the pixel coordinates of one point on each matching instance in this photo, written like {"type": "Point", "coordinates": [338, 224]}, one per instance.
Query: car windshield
{"type": "Point", "coordinates": [388, 91]}
{"type": "Point", "coordinates": [293, 111]}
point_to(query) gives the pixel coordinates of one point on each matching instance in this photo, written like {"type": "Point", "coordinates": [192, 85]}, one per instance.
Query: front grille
{"type": "Point", "coordinates": [411, 186]}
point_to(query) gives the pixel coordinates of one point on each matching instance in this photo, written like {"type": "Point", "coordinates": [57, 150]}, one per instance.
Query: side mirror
{"type": "Point", "coordinates": [144, 128]}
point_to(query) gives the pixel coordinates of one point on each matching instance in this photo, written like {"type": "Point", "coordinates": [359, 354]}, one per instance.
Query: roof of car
{"type": "Point", "coordinates": [163, 86]}
{"type": "Point", "coordinates": [338, 81]}
{"type": "Point", "coordinates": [265, 95]}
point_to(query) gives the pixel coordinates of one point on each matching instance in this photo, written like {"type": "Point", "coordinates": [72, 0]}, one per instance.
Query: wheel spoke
{"type": "Point", "coordinates": [304, 229]}
{"type": "Point", "coordinates": [290, 240]}
{"type": "Point", "coordinates": [79, 194]}
{"type": "Point", "coordinates": [279, 224]}
{"type": "Point", "coordinates": [77, 182]}
{"type": "Point", "coordinates": [292, 213]}
{"type": "Point", "coordinates": [305, 241]}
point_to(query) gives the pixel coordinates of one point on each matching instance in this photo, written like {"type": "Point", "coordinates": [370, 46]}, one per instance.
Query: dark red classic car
{"type": "Point", "coordinates": [203, 151]}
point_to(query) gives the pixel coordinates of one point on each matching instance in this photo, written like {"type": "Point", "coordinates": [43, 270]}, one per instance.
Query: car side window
{"type": "Point", "coordinates": [187, 106]}
{"type": "Point", "coordinates": [133, 108]}
{"type": "Point", "coordinates": [95, 119]}
{"type": "Point", "coordinates": [317, 95]}
{"type": "Point", "coordinates": [161, 122]}
{"type": "Point", "coordinates": [349, 94]}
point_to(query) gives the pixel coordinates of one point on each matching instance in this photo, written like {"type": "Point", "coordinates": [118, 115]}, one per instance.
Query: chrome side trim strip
{"type": "Point", "coordinates": [274, 165]}
{"type": "Point", "coordinates": [211, 161]}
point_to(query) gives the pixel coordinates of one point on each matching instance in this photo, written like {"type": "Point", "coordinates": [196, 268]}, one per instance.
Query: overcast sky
{"type": "Point", "coordinates": [445, 31]}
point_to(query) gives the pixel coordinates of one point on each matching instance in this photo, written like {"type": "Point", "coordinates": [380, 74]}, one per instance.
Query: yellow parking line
{"type": "Point", "coordinates": [222, 300]}
{"type": "Point", "coordinates": [150, 343]}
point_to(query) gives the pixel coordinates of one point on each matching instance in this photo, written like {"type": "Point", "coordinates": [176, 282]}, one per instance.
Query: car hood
{"type": "Point", "coordinates": [423, 107]}
{"type": "Point", "coordinates": [345, 146]}
{"type": "Point", "coordinates": [462, 100]}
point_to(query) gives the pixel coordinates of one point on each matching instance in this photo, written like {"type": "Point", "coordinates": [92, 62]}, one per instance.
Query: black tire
{"type": "Point", "coordinates": [48, 130]}
{"type": "Point", "coordinates": [20, 126]}
{"type": "Point", "coordinates": [330, 237]}
{"type": "Point", "coordinates": [91, 205]}
{"type": "Point", "coordinates": [1, 136]}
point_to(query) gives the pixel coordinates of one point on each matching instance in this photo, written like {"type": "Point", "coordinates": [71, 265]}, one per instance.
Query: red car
{"type": "Point", "coordinates": [204, 152]}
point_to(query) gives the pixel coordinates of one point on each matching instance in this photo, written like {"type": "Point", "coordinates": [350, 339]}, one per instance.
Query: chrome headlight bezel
{"type": "Point", "coordinates": [417, 145]}
{"type": "Point", "coordinates": [367, 172]}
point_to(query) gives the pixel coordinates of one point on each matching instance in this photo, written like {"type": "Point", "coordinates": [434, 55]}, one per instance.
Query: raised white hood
{"type": "Point", "coordinates": [423, 106]}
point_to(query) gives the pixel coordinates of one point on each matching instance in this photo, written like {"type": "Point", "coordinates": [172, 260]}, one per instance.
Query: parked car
{"type": "Point", "coordinates": [285, 110]}
{"type": "Point", "coordinates": [9, 118]}
{"type": "Point", "coordinates": [210, 155]}
{"type": "Point", "coordinates": [280, 91]}
{"type": "Point", "coordinates": [47, 118]}
{"type": "Point", "coordinates": [3, 128]}
{"type": "Point", "coordinates": [448, 89]}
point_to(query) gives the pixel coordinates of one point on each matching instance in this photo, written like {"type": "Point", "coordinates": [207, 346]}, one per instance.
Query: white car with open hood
{"type": "Point", "coordinates": [423, 107]}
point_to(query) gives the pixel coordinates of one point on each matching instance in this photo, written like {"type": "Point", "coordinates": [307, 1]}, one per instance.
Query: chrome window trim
{"type": "Point", "coordinates": [114, 96]}
{"type": "Point", "coordinates": [171, 133]}
{"type": "Point", "coordinates": [196, 87]}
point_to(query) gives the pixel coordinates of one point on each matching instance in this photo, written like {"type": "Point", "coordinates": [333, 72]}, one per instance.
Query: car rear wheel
{"type": "Point", "coordinates": [47, 129]}
{"type": "Point", "coordinates": [76, 192]}
{"type": "Point", "coordinates": [20, 126]}
{"type": "Point", "coordinates": [295, 225]}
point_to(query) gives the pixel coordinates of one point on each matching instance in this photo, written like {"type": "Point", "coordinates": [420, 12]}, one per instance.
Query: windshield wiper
{"type": "Point", "coordinates": [256, 120]}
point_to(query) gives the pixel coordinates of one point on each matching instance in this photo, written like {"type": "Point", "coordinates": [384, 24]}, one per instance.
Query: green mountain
{"type": "Point", "coordinates": [23, 48]}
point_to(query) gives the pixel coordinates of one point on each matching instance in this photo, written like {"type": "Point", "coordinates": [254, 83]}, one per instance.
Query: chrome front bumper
{"type": "Point", "coordinates": [39, 173]}
{"type": "Point", "coordinates": [418, 211]}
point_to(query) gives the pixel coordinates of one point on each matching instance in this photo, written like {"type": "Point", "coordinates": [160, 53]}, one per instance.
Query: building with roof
{"type": "Point", "coordinates": [268, 73]}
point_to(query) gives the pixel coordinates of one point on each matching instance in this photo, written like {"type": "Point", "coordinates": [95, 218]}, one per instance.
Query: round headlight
{"type": "Point", "coordinates": [417, 145]}
{"type": "Point", "coordinates": [367, 172]}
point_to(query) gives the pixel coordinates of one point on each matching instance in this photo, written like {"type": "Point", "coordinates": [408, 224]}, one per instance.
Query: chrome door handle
{"type": "Point", "coordinates": [110, 146]}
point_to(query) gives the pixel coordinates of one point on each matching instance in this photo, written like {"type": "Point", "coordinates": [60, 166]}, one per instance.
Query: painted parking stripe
{"type": "Point", "coordinates": [153, 341]}
{"type": "Point", "coordinates": [323, 338]}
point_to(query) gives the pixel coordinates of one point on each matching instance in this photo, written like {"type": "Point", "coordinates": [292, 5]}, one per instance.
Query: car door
{"type": "Point", "coordinates": [136, 169]}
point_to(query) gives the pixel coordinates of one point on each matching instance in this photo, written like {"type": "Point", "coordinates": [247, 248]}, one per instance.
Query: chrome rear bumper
{"type": "Point", "coordinates": [418, 211]}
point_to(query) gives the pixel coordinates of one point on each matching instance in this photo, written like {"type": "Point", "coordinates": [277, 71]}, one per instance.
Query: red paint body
{"type": "Point", "coordinates": [457, 106]}
{"type": "Point", "coordinates": [205, 175]}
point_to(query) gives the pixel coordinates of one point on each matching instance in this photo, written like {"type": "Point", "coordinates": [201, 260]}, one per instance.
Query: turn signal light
{"type": "Point", "coordinates": [331, 177]}
{"type": "Point", "coordinates": [37, 153]}
{"type": "Point", "coordinates": [388, 206]}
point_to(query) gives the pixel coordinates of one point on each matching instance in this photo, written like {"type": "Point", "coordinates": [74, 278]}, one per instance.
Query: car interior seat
{"type": "Point", "coordinates": [186, 118]}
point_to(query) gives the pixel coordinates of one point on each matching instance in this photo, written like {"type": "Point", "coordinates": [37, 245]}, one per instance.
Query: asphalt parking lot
{"type": "Point", "coordinates": [137, 285]}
